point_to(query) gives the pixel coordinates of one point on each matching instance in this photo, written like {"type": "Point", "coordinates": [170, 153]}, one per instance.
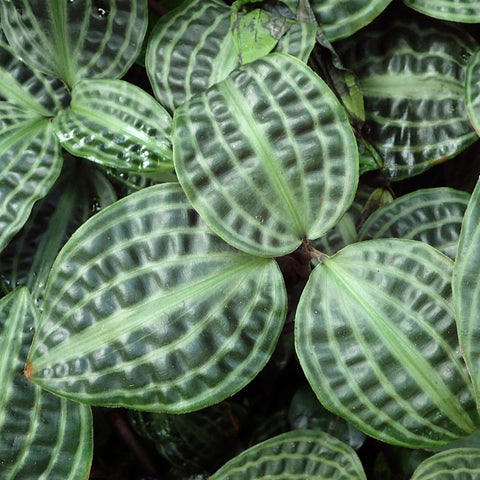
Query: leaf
{"type": "Point", "coordinates": [146, 308]}
{"type": "Point", "coordinates": [375, 335]}
{"type": "Point", "coordinates": [189, 50]}
{"type": "Point", "coordinates": [454, 464]}
{"type": "Point", "coordinates": [472, 90]}
{"type": "Point", "coordinates": [30, 163]}
{"type": "Point", "coordinates": [74, 39]}
{"type": "Point", "coordinates": [432, 215]}
{"type": "Point", "coordinates": [467, 11]}
{"type": "Point", "coordinates": [41, 435]}
{"type": "Point", "coordinates": [294, 455]}
{"type": "Point", "coordinates": [342, 19]}
{"type": "Point", "coordinates": [255, 31]}
{"type": "Point", "coordinates": [28, 89]}
{"type": "Point", "coordinates": [298, 41]}
{"type": "Point", "coordinates": [116, 124]}
{"type": "Point", "coordinates": [28, 258]}
{"type": "Point", "coordinates": [265, 162]}
{"type": "Point", "coordinates": [466, 288]}
{"type": "Point", "coordinates": [412, 77]}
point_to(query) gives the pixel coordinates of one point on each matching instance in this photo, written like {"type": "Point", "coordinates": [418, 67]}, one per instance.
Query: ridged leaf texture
{"type": "Point", "coordinates": [472, 90]}
{"type": "Point", "coordinates": [375, 334]}
{"type": "Point", "coordinates": [74, 39]}
{"type": "Point", "coordinates": [30, 163]}
{"type": "Point", "coordinates": [466, 288]}
{"type": "Point", "coordinates": [116, 124]}
{"type": "Point", "coordinates": [42, 436]}
{"type": "Point", "coordinates": [180, 64]}
{"type": "Point", "coordinates": [453, 464]}
{"type": "Point", "coordinates": [342, 19]}
{"type": "Point", "coordinates": [295, 455]}
{"type": "Point", "coordinates": [412, 76]}
{"type": "Point", "coordinates": [433, 216]}
{"type": "Point", "coordinates": [147, 308]}
{"type": "Point", "coordinates": [466, 11]}
{"type": "Point", "coordinates": [267, 157]}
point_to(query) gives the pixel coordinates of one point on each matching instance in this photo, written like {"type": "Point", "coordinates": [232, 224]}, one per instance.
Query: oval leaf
{"type": "Point", "coordinates": [472, 91]}
{"type": "Point", "coordinates": [145, 307]}
{"type": "Point", "coordinates": [467, 11]}
{"type": "Point", "coordinates": [190, 49]}
{"type": "Point", "coordinates": [75, 39]}
{"type": "Point", "coordinates": [30, 163]}
{"type": "Point", "coordinates": [294, 455]}
{"type": "Point", "coordinates": [267, 156]}
{"type": "Point", "coordinates": [466, 288]}
{"type": "Point", "coordinates": [433, 216]}
{"type": "Point", "coordinates": [453, 464]}
{"type": "Point", "coordinates": [41, 435]}
{"type": "Point", "coordinates": [117, 124]}
{"type": "Point", "coordinates": [375, 334]}
{"type": "Point", "coordinates": [342, 19]}
{"type": "Point", "coordinates": [412, 76]}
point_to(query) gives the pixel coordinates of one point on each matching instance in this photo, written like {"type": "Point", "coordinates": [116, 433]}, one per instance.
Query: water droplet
{"type": "Point", "coordinates": [102, 12]}
{"type": "Point", "coordinates": [465, 55]}
{"type": "Point", "coordinates": [70, 1]}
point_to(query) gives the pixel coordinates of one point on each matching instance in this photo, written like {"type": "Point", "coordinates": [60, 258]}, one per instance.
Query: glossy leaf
{"type": "Point", "coordinates": [30, 163]}
{"type": "Point", "coordinates": [145, 307]}
{"type": "Point", "coordinates": [41, 435]}
{"type": "Point", "coordinates": [466, 288]}
{"type": "Point", "coordinates": [181, 63]}
{"type": "Point", "coordinates": [412, 76]}
{"type": "Point", "coordinates": [28, 89]}
{"type": "Point", "coordinates": [28, 258]}
{"type": "Point", "coordinates": [433, 216]}
{"type": "Point", "coordinates": [342, 19]}
{"type": "Point", "coordinates": [295, 455]}
{"type": "Point", "coordinates": [472, 90]}
{"type": "Point", "coordinates": [75, 39]}
{"type": "Point", "coordinates": [375, 334]}
{"type": "Point", "coordinates": [116, 124]}
{"type": "Point", "coordinates": [467, 11]}
{"type": "Point", "coordinates": [454, 464]}
{"type": "Point", "coordinates": [267, 157]}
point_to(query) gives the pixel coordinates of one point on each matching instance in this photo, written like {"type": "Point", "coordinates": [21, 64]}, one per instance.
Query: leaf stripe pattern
{"type": "Point", "coordinates": [261, 172]}
{"type": "Point", "coordinates": [29, 152]}
{"type": "Point", "coordinates": [375, 334]}
{"type": "Point", "coordinates": [452, 464]}
{"type": "Point", "coordinates": [296, 455]}
{"type": "Point", "coordinates": [466, 288]}
{"type": "Point", "coordinates": [42, 436]}
{"type": "Point", "coordinates": [467, 11]}
{"type": "Point", "coordinates": [340, 19]}
{"type": "Point", "coordinates": [413, 83]}
{"type": "Point", "coordinates": [433, 216]}
{"type": "Point", "coordinates": [84, 39]}
{"type": "Point", "coordinates": [116, 124]}
{"type": "Point", "coordinates": [147, 308]}
{"type": "Point", "coordinates": [472, 91]}
{"type": "Point", "coordinates": [180, 64]}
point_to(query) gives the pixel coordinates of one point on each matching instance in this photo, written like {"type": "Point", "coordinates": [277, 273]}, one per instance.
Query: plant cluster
{"type": "Point", "coordinates": [235, 223]}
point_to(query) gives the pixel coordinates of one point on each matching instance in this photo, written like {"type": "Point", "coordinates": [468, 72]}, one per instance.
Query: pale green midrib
{"type": "Point", "coordinates": [411, 86]}
{"type": "Point", "coordinates": [30, 127]}
{"type": "Point", "coordinates": [261, 146]}
{"type": "Point", "coordinates": [459, 140]}
{"type": "Point", "coordinates": [417, 368]}
{"type": "Point", "coordinates": [60, 38]}
{"type": "Point", "coordinates": [115, 326]}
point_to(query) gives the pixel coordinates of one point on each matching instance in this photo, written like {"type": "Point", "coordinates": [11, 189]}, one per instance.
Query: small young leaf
{"type": "Point", "coordinates": [41, 435]}
{"type": "Point", "coordinates": [466, 288]}
{"type": "Point", "coordinates": [267, 156]}
{"type": "Point", "coordinates": [147, 308]}
{"type": "Point", "coordinates": [375, 334]}
{"type": "Point", "coordinates": [75, 39]}
{"type": "Point", "coordinates": [294, 455]}
{"type": "Point", "coordinates": [116, 124]}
